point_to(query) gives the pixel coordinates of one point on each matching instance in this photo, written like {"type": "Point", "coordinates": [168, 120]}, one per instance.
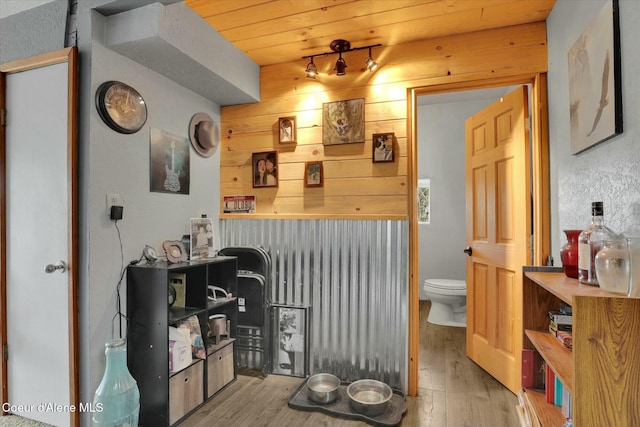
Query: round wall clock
{"type": "Point", "coordinates": [121, 107]}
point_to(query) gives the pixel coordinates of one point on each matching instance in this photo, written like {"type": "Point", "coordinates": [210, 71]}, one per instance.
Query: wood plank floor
{"type": "Point", "coordinates": [453, 392]}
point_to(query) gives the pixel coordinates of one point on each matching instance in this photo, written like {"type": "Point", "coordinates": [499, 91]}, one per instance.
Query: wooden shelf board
{"type": "Point", "coordinates": [212, 348]}
{"type": "Point", "coordinates": [557, 356]}
{"type": "Point", "coordinates": [565, 287]}
{"type": "Point", "coordinates": [181, 313]}
{"type": "Point", "coordinates": [548, 414]}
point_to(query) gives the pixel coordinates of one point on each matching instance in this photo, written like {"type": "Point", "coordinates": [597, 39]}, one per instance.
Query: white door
{"type": "Point", "coordinates": [40, 306]}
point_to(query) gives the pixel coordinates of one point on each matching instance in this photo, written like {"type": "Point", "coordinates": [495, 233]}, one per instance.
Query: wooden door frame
{"type": "Point", "coordinates": [540, 187]}
{"type": "Point", "coordinates": [70, 56]}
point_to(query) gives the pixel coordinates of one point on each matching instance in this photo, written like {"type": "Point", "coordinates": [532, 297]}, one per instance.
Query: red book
{"type": "Point", "coordinates": [528, 368]}
{"type": "Point", "coordinates": [550, 380]}
{"type": "Point", "coordinates": [533, 373]}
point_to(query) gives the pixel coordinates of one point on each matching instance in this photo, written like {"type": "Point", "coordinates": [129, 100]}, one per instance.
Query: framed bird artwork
{"type": "Point", "coordinates": [595, 87]}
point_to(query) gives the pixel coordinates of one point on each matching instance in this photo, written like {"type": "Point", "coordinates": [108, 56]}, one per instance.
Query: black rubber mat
{"type": "Point", "coordinates": [341, 408]}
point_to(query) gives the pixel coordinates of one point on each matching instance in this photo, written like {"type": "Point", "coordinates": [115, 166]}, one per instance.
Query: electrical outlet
{"type": "Point", "coordinates": [113, 200]}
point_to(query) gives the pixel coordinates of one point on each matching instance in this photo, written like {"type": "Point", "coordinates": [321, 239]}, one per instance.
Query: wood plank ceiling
{"type": "Point", "coordinates": [278, 31]}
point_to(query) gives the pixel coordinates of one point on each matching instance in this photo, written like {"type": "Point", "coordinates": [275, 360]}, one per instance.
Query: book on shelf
{"type": "Point", "coordinates": [533, 373]}
{"type": "Point", "coordinates": [565, 338]}
{"type": "Point", "coordinates": [558, 387]}
{"type": "Point", "coordinates": [561, 319]}
{"type": "Point", "coordinates": [550, 379]}
{"type": "Point", "coordinates": [567, 403]}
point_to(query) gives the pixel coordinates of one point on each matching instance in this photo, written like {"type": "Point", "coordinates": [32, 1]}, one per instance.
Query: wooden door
{"type": "Point", "coordinates": [498, 228]}
{"type": "Point", "coordinates": [39, 229]}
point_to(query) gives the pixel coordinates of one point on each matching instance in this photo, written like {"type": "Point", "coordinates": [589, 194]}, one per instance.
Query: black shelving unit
{"type": "Point", "coordinates": [167, 398]}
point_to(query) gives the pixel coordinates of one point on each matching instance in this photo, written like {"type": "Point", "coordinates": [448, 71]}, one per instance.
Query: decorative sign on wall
{"type": "Point", "coordinates": [595, 87]}
{"type": "Point", "coordinates": [239, 204]}
{"type": "Point", "coordinates": [343, 122]}
{"type": "Point", "coordinates": [170, 162]}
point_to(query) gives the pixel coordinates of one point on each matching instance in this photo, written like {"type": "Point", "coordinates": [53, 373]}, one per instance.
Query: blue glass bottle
{"type": "Point", "coordinates": [117, 399]}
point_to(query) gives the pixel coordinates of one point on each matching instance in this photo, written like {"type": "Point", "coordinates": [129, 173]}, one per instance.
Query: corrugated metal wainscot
{"type": "Point", "coordinates": [353, 274]}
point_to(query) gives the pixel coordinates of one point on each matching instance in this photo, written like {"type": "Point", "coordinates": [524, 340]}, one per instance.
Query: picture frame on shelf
{"type": "Point", "coordinates": [313, 174]}
{"type": "Point", "coordinates": [290, 338]}
{"type": "Point", "coordinates": [265, 169]}
{"type": "Point", "coordinates": [288, 130]}
{"type": "Point", "coordinates": [343, 122]}
{"type": "Point", "coordinates": [382, 147]}
{"type": "Point", "coordinates": [201, 245]}
{"type": "Point", "coordinates": [595, 82]}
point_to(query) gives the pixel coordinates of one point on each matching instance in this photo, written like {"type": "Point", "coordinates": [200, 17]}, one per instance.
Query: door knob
{"type": "Point", "coordinates": [468, 250]}
{"type": "Point", "coordinates": [58, 266]}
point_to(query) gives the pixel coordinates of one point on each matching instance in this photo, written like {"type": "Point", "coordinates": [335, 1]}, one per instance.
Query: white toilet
{"type": "Point", "coordinates": [448, 302]}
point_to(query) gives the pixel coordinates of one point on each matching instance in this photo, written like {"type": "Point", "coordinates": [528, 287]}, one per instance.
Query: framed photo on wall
{"type": "Point", "coordinates": [424, 201]}
{"type": "Point", "coordinates": [265, 169]}
{"type": "Point", "coordinates": [343, 122]}
{"type": "Point", "coordinates": [290, 340]}
{"type": "Point", "coordinates": [382, 147]}
{"type": "Point", "coordinates": [288, 130]}
{"type": "Point", "coordinates": [313, 174]}
{"type": "Point", "coordinates": [595, 86]}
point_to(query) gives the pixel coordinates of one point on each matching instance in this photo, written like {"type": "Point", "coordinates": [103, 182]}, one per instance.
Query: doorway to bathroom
{"type": "Point", "coordinates": [440, 145]}
{"type": "Point", "coordinates": [437, 154]}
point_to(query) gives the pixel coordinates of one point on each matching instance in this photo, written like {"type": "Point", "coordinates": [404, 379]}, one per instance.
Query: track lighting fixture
{"type": "Point", "coordinates": [340, 46]}
{"type": "Point", "coordinates": [312, 70]}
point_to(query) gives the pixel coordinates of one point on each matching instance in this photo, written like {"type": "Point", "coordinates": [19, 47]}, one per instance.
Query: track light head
{"type": "Point", "coordinates": [341, 67]}
{"type": "Point", "coordinates": [312, 70]}
{"type": "Point", "coordinates": [371, 64]}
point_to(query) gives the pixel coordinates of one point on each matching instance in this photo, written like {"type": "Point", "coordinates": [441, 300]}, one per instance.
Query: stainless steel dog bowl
{"type": "Point", "coordinates": [323, 388]}
{"type": "Point", "coordinates": [369, 397]}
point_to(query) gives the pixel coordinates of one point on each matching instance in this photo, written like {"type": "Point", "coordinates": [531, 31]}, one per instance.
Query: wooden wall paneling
{"type": "Point", "coordinates": [348, 170]}
{"type": "Point", "coordinates": [374, 111]}
{"type": "Point", "coordinates": [269, 31]}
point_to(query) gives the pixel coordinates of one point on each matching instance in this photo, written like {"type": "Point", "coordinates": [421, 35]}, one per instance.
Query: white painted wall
{"type": "Point", "coordinates": [117, 163]}
{"type": "Point", "coordinates": [110, 162]}
{"type": "Point", "coordinates": [11, 7]}
{"type": "Point", "coordinates": [610, 171]}
{"type": "Point", "coordinates": [441, 158]}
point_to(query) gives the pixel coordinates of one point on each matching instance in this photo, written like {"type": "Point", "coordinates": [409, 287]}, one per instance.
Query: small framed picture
{"type": "Point", "coordinates": [290, 332]}
{"type": "Point", "coordinates": [265, 169]}
{"type": "Point", "coordinates": [313, 174]}
{"type": "Point", "coordinates": [201, 238]}
{"type": "Point", "coordinates": [383, 147]}
{"type": "Point", "coordinates": [288, 130]}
